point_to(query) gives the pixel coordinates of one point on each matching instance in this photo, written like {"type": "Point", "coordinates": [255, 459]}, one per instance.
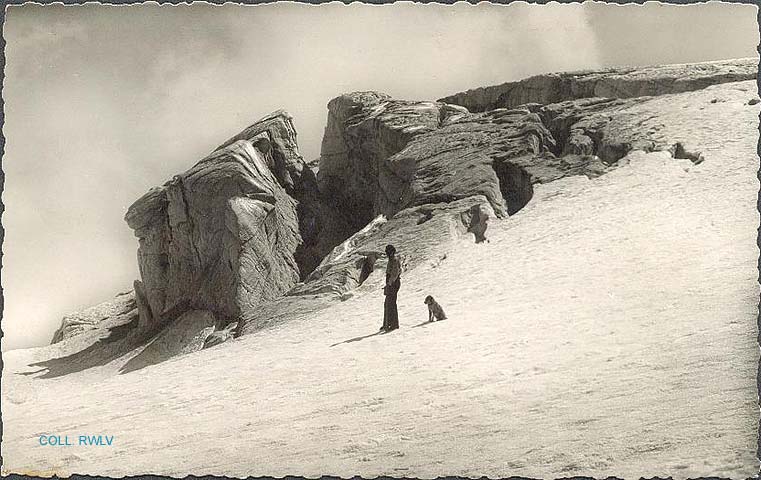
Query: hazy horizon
{"type": "Point", "coordinates": [105, 102]}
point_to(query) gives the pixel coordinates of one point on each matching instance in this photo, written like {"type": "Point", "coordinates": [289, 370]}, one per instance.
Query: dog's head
{"type": "Point", "coordinates": [428, 300]}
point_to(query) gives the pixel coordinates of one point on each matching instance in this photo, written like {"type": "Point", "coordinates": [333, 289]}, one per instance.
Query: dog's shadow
{"type": "Point", "coordinates": [427, 323]}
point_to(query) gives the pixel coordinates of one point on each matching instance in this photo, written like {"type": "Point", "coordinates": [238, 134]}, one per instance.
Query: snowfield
{"type": "Point", "coordinates": [608, 328]}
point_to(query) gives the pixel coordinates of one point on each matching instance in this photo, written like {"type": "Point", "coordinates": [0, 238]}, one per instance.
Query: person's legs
{"type": "Point", "coordinates": [386, 312]}
{"type": "Point", "coordinates": [393, 320]}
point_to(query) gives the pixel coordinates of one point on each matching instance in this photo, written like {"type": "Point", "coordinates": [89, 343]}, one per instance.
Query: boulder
{"type": "Point", "coordinates": [223, 235]}
{"type": "Point", "coordinates": [186, 334]}
{"type": "Point", "coordinates": [364, 129]}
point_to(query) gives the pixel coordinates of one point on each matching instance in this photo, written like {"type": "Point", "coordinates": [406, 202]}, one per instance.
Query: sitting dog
{"type": "Point", "coordinates": [434, 309]}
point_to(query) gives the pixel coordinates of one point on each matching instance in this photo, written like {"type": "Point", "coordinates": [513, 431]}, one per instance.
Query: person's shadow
{"type": "Point", "coordinates": [357, 339]}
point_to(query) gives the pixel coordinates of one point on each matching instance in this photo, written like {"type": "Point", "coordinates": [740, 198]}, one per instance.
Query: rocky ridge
{"type": "Point", "coordinates": [252, 236]}
{"type": "Point", "coordinates": [620, 82]}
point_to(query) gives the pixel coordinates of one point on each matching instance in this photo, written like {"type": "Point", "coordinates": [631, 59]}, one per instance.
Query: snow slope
{"type": "Point", "coordinates": [609, 328]}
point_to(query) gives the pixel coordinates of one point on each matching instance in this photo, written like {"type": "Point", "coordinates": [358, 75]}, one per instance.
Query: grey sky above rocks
{"type": "Point", "coordinates": [104, 102]}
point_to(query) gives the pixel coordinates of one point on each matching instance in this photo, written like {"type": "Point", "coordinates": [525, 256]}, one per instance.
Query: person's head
{"type": "Point", "coordinates": [390, 250]}
{"type": "Point", "coordinates": [428, 300]}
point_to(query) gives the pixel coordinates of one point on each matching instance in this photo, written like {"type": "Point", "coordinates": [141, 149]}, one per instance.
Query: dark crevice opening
{"type": "Point", "coordinates": [478, 223]}
{"type": "Point", "coordinates": [366, 266]}
{"type": "Point", "coordinates": [514, 184]}
{"type": "Point", "coordinates": [560, 129]}
{"type": "Point", "coordinates": [426, 216]}
{"type": "Point", "coordinates": [325, 220]}
{"type": "Point", "coordinates": [610, 153]}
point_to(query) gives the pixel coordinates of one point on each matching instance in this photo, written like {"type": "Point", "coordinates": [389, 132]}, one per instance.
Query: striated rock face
{"type": "Point", "coordinates": [610, 83]}
{"type": "Point", "coordinates": [364, 129]}
{"type": "Point", "coordinates": [275, 137]}
{"type": "Point", "coordinates": [223, 236]}
{"type": "Point", "coordinates": [108, 315]}
{"type": "Point", "coordinates": [381, 156]}
{"type": "Point", "coordinates": [321, 226]}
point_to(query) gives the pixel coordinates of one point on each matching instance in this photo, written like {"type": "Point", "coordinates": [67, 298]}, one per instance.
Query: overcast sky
{"type": "Point", "coordinates": [104, 102]}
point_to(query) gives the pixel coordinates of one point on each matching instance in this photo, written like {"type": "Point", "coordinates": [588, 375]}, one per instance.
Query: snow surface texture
{"type": "Point", "coordinates": [608, 328]}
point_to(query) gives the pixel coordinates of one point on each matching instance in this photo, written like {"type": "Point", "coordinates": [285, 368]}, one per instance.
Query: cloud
{"type": "Point", "coordinates": [658, 33]}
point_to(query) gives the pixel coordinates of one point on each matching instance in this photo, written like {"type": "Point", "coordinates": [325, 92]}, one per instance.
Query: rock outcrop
{"type": "Point", "coordinates": [364, 129]}
{"type": "Point", "coordinates": [381, 156]}
{"type": "Point", "coordinates": [122, 310]}
{"type": "Point", "coordinates": [186, 334]}
{"type": "Point", "coordinates": [618, 82]}
{"type": "Point", "coordinates": [223, 236]}
{"type": "Point", "coordinates": [252, 235]}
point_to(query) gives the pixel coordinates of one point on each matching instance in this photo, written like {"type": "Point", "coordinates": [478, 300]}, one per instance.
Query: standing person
{"type": "Point", "coordinates": [393, 271]}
